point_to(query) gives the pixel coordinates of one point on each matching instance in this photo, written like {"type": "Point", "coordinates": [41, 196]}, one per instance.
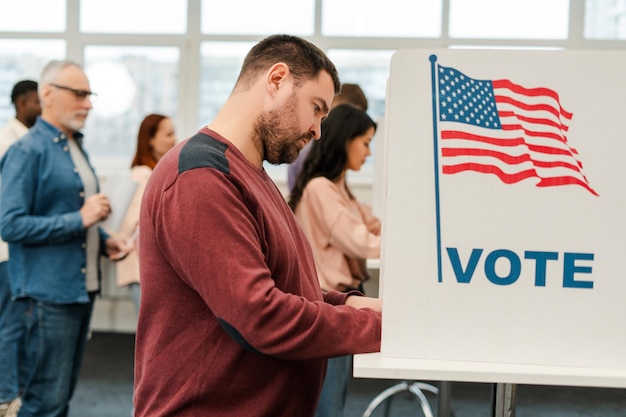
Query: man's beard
{"type": "Point", "coordinates": [73, 122]}
{"type": "Point", "coordinates": [279, 144]}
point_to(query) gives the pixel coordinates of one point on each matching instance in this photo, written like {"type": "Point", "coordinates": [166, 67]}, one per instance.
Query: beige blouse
{"type": "Point", "coordinates": [127, 270]}
{"type": "Point", "coordinates": [343, 233]}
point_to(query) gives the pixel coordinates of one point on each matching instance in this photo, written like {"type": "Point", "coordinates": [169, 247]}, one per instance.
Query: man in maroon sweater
{"type": "Point", "coordinates": [232, 319]}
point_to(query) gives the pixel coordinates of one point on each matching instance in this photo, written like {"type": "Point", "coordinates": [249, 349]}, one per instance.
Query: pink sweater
{"type": "Point", "coordinates": [232, 320]}
{"type": "Point", "coordinates": [342, 231]}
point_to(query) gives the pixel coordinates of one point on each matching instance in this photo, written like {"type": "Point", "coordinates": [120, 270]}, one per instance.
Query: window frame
{"type": "Point", "coordinates": [189, 43]}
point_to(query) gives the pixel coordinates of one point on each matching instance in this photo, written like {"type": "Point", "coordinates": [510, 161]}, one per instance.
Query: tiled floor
{"type": "Point", "coordinates": [105, 390]}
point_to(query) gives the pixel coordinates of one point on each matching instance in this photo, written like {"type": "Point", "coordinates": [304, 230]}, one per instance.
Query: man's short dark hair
{"type": "Point", "coordinates": [305, 60]}
{"type": "Point", "coordinates": [22, 88]}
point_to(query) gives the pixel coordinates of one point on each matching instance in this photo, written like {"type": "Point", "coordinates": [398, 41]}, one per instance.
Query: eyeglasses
{"type": "Point", "coordinates": [79, 94]}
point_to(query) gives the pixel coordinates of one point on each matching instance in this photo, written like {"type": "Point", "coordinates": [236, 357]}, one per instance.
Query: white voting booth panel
{"type": "Point", "coordinates": [504, 219]}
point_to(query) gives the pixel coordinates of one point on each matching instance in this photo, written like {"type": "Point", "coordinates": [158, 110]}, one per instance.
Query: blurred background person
{"type": "Point", "coordinates": [49, 214]}
{"type": "Point", "coordinates": [350, 93]}
{"type": "Point", "coordinates": [342, 231]}
{"type": "Point", "coordinates": [156, 136]}
{"type": "Point", "coordinates": [27, 108]}
{"type": "Point", "coordinates": [25, 99]}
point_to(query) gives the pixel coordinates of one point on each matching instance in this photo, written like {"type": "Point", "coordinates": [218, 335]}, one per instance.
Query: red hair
{"type": "Point", "coordinates": [147, 131]}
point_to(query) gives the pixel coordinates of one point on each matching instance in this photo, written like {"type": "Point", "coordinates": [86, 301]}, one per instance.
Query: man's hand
{"type": "Point", "coordinates": [96, 208]}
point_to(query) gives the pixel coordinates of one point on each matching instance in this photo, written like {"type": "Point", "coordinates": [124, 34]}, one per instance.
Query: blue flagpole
{"type": "Point", "coordinates": [433, 71]}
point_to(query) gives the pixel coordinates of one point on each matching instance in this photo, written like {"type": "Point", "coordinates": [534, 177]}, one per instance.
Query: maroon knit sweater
{"type": "Point", "coordinates": [232, 319]}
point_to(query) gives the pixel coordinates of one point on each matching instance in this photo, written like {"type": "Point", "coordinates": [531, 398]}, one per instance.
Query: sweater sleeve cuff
{"type": "Point", "coordinates": [339, 298]}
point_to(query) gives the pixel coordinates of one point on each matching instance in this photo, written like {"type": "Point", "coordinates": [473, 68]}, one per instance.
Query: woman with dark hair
{"type": "Point", "coordinates": [342, 231]}
{"type": "Point", "coordinates": [156, 136]}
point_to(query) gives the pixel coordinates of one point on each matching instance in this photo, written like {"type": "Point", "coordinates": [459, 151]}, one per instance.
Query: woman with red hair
{"type": "Point", "coordinates": [156, 136]}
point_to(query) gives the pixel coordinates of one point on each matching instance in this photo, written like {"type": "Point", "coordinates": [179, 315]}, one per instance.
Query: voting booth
{"type": "Point", "coordinates": [504, 218]}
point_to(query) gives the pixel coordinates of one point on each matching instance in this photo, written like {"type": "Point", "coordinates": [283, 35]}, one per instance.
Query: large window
{"type": "Point", "coordinates": [369, 69]}
{"type": "Point", "coordinates": [245, 17]}
{"type": "Point", "coordinates": [131, 82]}
{"type": "Point", "coordinates": [22, 59]}
{"type": "Point", "coordinates": [135, 16]}
{"type": "Point", "coordinates": [182, 58]}
{"type": "Point", "coordinates": [511, 19]}
{"type": "Point", "coordinates": [219, 67]}
{"type": "Point", "coordinates": [32, 16]}
{"type": "Point", "coordinates": [375, 18]}
{"type": "Point", "coordinates": [605, 19]}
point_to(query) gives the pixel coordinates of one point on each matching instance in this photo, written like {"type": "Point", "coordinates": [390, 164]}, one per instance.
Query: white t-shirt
{"type": "Point", "coordinates": [9, 134]}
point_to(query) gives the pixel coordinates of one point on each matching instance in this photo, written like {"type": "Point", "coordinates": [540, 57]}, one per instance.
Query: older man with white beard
{"type": "Point", "coordinates": [49, 215]}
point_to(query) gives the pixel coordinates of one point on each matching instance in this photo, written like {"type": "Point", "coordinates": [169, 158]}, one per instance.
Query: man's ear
{"type": "Point", "coordinates": [277, 76]}
{"type": "Point", "coordinates": [44, 97]}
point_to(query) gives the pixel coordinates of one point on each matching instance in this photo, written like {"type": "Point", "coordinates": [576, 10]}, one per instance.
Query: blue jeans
{"type": "Point", "coordinates": [135, 294]}
{"type": "Point", "coordinates": [9, 387]}
{"type": "Point", "coordinates": [335, 388]}
{"type": "Point", "coordinates": [54, 344]}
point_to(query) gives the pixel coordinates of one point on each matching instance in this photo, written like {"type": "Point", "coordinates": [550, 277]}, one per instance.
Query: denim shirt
{"type": "Point", "coordinates": [41, 197]}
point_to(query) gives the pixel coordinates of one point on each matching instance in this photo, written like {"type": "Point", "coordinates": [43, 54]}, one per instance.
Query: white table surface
{"type": "Point", "coordinates": [374, 365]}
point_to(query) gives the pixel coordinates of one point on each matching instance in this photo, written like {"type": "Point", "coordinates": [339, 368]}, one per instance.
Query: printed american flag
{"type": "Point", "coordinates": [501, 128]}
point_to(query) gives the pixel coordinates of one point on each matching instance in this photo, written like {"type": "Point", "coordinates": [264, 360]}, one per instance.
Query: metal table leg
{"type": "Point", "coordinates": [503, 400]}
{"type": "Point", "coordinates": [415, 388]}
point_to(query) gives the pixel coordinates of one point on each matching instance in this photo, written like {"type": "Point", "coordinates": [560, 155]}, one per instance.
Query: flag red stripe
{"type": "Point", "coordinates": [554, 151]}
{"type": "Point", "coordinates": [548, 150]}
{"type": "Point", "coordinates": [547, 135]}
{"type": "Point", "coordinates": [532, 92]}
{"type": "Point", "coordinates": [534, 120]}
{"type": "Point", "coordinates": [529, 107]}
{"type": "Point", "coordinates": [491, 169]}
{"type": "Point", "coordinates": [507, 158]}
{"type": "Point", "coordinates": [550, 182]}
{"type": "Point", "coordinates": [519, 176]}
{"type": "Point", "coordinates": [457, 134]}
